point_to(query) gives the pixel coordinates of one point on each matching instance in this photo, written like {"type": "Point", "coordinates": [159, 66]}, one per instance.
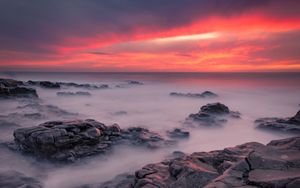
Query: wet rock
{"type": "Point", "coordinates": [14, 89]}
{"type": "Point", "coordinates": [212, 114]}
{"type": "Point", "coordinates": [248, 165]}
{"type": "Point", "coordinates": [291, 124]}
{"type": "Point", "coordinates": [129, 83]}
{"type": "Point", "coordinates": [72, 140]}
{"type": "Point", "coordinates": [44, 84]}
{"type": "Point", "coordinates": [14, 179]}
{"type": "Point", "coordinates": [205, 94]}
{"type": "Point", "coordinates": [84, 86]}
{"type": "Point", "coordinates": [178, 133]}
{"type": "Point", "coordinates": [63, 140]}
{"type": "Point", "coordinates": [78, 93]}
{"type": "Point", "coordinates": [143, 137]}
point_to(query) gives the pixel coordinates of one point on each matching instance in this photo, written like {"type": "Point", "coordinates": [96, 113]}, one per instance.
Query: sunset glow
{"type": "Point", "coordinates": [201, 36]}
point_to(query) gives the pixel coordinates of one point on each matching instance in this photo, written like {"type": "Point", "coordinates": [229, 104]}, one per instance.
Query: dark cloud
{"type": "Point", "coordinates": [40, 25]}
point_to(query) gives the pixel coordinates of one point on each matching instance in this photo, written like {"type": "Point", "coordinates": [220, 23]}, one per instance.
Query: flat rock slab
{"type": "Point", "coordinates": [275, 165]}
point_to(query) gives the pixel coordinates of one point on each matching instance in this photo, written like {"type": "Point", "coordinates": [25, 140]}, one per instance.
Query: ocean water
{"type": "Point", "coordinates": [254, 95]}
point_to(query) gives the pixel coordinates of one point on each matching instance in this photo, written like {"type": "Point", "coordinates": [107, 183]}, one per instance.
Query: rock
{"type": "Point", "coordinates": [78, 93]}
{"type": "Point", "coordinates": [291, 124]}
{"type": "Point", "coordinates": [13, 89]}
{"type": "Point", "coordinates": [249, 165]}
{"type": "Point", "coordinates": [44, 84]}
{"type": "Point", "coordinates": [11, 179]}
{"type": "Point", "coordinates": [205, 94]}
{"type": "Point", "coordinates": [143, 137]}
{"type": "Point", "coordinates": [133, 82]}
{"type": "Point", "coordinates": [84, 86]}
{"type": "Point", "coordinates": [178, 133]}
{"type": "Point", "coordinates": [67, 141]}
{"type": "Point", "coordinates": [63, 140]}
{"type": "Point", "coordinates": [212, 114]}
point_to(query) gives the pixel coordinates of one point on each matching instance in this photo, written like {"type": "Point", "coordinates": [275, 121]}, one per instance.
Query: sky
{"type": "Point", "coordinates": [150, 35]}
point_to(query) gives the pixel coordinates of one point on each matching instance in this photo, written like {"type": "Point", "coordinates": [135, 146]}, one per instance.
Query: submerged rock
{"type": "Point", "coordinates": [71, 140]}
{"type": "Point", "coordinates": [205, 94]}
{"type": "Point", "coordinates": [247, 165]}
{"type": "Point", "coordinates": [14, 89]}
{"type": "Point", "coordinates": [291, 124]}
{"type": "Point", "coordinates": [84, 86]}
{"type": "Point", "coordinates": [11, 179]}
{"type": "Point", "coordinates": [178, 133]}
{"type": "Point", "coordinates": [78, 93]}
{"type": "Point", "coordinates": [212, 114]}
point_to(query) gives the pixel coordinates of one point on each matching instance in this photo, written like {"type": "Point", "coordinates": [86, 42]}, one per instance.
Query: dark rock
{"type": "Point", "coordinates": [205, 94]}
{"type": "Point", "coordinates": [14, 179]}
{"type": "Point", "coordinates": [178, 133]}
{"type": "Point", "coordinates": [133, 82]}
{"type": "Point", "coordinates": [78, 93]}
{"type": "Point", "coordinates": [212, 114]}
{"type": "Point", "coordinates": [291, 124]}
{"type": "Point", "coordinates": [44, 84]}
{"type": "Point", "coordinates": [63, 140]}
{"type": "Point", "coordinates": [84, 86]}
{"type": "Point", "coordinates": [249, 165]}
{"type": "Point", "coordinates": [72, 140]}
{"type": "Point", "coordinates": [12, 88]}
{"type": "Point", "coordinates": [143, 137]}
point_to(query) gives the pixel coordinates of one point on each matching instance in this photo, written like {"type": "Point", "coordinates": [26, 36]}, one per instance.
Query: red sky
{"type": "Point", "coordinates": [131, 35]}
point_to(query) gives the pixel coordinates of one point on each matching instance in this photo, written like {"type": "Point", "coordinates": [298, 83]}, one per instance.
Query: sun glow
{"type": "Point", "coordinates": [203, 36]}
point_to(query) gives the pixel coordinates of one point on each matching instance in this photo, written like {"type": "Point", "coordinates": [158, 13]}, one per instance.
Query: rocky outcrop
{"type": "Point", "coordinates": [205, 94]}
{"type": "Point", "coordinates": [178, 133]}
{"type": "Point", "coordinates": [78, 93]}
{"type": "Point", "coordinates": [44, 84]}
{"type": "Point", "coordinates": [212, 114]}
{"type": "Point", "coordinates": [129, 83]}
{"type": "Point", "coordinates": [291, 124]}
{"type": "Point", "coordinates": [84, 86]}
{"type": "Point", "coordinates": [14, 179]}
{"type": "Point", "coordinates": [57, 85]}
{"type": "Point", "coordinates": [72, 140]}
{"type": "Point", "coordinates": [14, 89]}
{"type": "Point", "coordinates": [249, 165]}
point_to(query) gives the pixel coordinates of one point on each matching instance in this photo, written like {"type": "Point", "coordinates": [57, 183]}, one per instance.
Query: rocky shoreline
{"type": "Point", "coordinates": [253, 164]}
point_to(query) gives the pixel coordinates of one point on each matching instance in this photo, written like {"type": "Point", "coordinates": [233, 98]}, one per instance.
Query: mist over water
{"type": "Point", "coordinates": [254, 95]}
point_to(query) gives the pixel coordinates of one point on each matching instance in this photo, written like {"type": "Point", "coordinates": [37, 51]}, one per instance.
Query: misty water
{"type": "Point", "coordinates": [254, 95]}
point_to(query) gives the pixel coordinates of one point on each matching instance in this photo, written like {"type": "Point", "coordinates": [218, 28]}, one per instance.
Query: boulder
{"type": "Point", "coordinates": [291, 124]}
{"type": "Point", "coordinates": [212, 114]}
